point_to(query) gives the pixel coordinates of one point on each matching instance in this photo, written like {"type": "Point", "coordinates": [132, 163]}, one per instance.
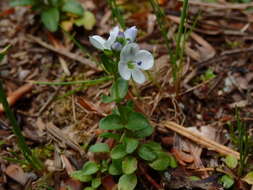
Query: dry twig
{"type": "Point", "coordinates": [16, 95]}
{"type": "Point", "coordinates": [201, 140]}
{"type": "Point", "coordinates": [64, 53]}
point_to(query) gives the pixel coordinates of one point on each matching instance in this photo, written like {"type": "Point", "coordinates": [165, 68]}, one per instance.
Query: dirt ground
{"type": "Point", "coordinates": [60, 122]}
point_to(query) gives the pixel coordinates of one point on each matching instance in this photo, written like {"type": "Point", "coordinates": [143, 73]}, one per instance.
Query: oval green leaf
{"type": "Point", "coordinates": [99, 147]}
{"type": "Point", "coordinates": [118, 152]}
{"type": "Point", "coordinates": [50, 18]}
{"type": "Point", "coordinates": [161, 164]}
{"type": "Point", "coordinates": [226, 181]}
{"type": "Point", "coordinates": [127, 182]}
{"type": "Point", "coordinates": [146, 153]}
{"type": "Point", "coordinates": [131, 144]}
{"type": "Point", "coordinates": [111, 122]}
{"type": "Point", "coordinates": [72, 6]}
{"type": "Point", "coordinates": [115, 167]}
{"type": "Point", "coordinates": [90, 168]}
{"type": "Point", "coordinates": [79, 175]}
{"type": "Point", "coordinates": [129, 165]}
{"type": "Point", "coordinates": [137, 121]}
{"type": "Point", "coordinates": [249, 178]}
{"type": "Point", "coordinates": [231, 161]}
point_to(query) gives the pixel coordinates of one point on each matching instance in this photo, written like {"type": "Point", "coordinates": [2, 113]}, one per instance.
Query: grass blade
{"type": "Point", "coordinates": [17, 131]}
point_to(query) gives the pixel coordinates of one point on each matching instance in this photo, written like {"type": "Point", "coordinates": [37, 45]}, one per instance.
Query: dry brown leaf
{"type": "Point", "coordinates": [16, 172]}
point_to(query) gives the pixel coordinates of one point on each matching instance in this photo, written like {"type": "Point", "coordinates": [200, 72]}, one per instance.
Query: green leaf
{"type": "Point", "coordinates": [226, 181]}
{"type": "Point", "coordinates": [96, 182]}
{"type": "Point", "coordinates": [50, 18]}
{"type": "Point", "coordinates": [99, 147]}
{"type": "Point", "coordinates": [127, 182]}
{"type": "Point", "coordinates": [154, 146]}
{"type": "Point", "coordinates": [146, 153]}
{"type": "Point", "coordinates": [3, 52]}
{"type": "Point", "coordinates": [79, 175]}
{"type": "Point", "coordinates": [89, 188]}
{"type": "Point", "coordinates": [124, 112]}
{"type": "Point", "coordinates": [72, 6]}
{"type": "Point", "coordinates": [131, 144]}
{"type": "Point", "coordinates": [119, 89]}
{"type": "Point", "coordinates": [90, 168]}
{"type": "Point", "coordinates": [129, 165]}
{"type": "Point", "coordinates": [115, 167]}
{"type": "Point", "coordinates": [137, 121]}
{"type": "Point", "coordinates": [88, 20]}
{"type": "Point", "coordinates": [15, 3]}
{"type": "Point", "coordinates": [161, 163]}
{"type": "Point", "coordinates": [110, 135]}
{"type": "Point", "coordinates": [104, 165]}
{"type": "Point", "coordinates": [118, 151]}
{"type": "Point", "coordinates": [231, 161]}
{"type": "Point", "coordinates": [147, 131]}
{"type": "Point", "coordinates": [111, 122]}
{"type": "Point", "coordinates": [194, 178]}
{"type": "Point", "coordinates": [249, 178]}
{"type": "Point", "coordinates": [173, 162]}
{"type": "Point", "coordinates": [55, 3]}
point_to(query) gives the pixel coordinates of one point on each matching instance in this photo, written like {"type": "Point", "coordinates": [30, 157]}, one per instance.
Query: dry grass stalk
{"type": "Point", "coordinates": [212, 145]}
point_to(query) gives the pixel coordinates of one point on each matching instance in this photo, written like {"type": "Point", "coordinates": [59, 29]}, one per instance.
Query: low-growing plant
{"type": "Point", "coordinates": [125, 128]}
{"type": "Point", "coordinates": [244, 143]}
{"type": "Point", "coordinates": [56, 12]}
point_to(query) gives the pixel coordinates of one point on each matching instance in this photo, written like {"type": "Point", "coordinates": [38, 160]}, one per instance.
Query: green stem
{"type": "Point", "coordinates": [116, 13]}
{"type": "Point", "coordinates": [85, 82]}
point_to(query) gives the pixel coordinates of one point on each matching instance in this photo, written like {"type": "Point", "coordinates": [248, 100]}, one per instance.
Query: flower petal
{"type": "Point", "coordinates": [131, 33]}
{"type": "Point", "coordinates": [116, 46]}
{"type": "Point", "coordinates": [124, 71]}
{"type": "Point", "coordinates": [97, 41]}
{"type": "Point", "coordinates": [113, 36]}
{"type": "Point", "coordinates": [144, 59]}
{"type": "Point", "coordinates": [138, 76]}
{"type": "Point", "coordinates": [128, 52]}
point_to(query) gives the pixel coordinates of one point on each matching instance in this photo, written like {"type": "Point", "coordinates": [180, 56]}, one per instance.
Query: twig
{"type": "Point", "coordinates": [16, 95]}
{"type": "Point", "coordinates": [201, 140]}
{"type": "Point", "coordinates": [222, 6]}
{"type": "Point", "coordinates": [150, 179]}
{"type": "Point", "coordinates": [64, 53]}
{"type": "Point", "coordinates": [59, 135]}
{"type": "Point", "coordinates": [49, 101]}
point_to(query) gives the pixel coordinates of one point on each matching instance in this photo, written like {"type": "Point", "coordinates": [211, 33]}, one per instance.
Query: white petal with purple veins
{"type": "Point", "coordinates": [124, 71]}
{"type": "Point", "coordinates": [138, 76]}
{"type": "Point", "coordinates": [113, 36]}
{"type": "Point", "coordinates": [144, 59]}
{"type": "Point", "coordinates": [97, 41]}
{"type": "Point", "coordinates": [131, 33]}
{"type": "Point", "coordinates": [128, 52]}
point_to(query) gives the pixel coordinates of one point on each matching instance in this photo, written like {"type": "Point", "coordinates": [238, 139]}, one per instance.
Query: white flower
{"type": "Point", "coordinates": [130, 33]}
{"type": "Point", "coordinates": [132, 61]}
{"type": "Point", "coordinates": [124, 38]}
{"type": "Point", "coordinates": [101, 43]}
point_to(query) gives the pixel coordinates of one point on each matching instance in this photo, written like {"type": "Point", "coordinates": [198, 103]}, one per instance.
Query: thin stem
{"type": "Point", "coordinates": [116, 13]}
{"type": "Point", "coordinates": [85, 82]}
{"type": "Point", "coordinates": [34, 161]}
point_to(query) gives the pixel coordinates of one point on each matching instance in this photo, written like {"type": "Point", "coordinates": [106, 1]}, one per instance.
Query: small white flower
{"type": "Point", "coordinates": [132, 61]}
{"type": "Point", "coordinates": [101, 43]}
{"type": "Point", "coordinates": [131, 33]}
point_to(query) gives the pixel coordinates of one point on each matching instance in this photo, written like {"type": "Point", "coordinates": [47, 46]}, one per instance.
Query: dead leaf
{"type": "Point", "coordinates": [109, 183]}
{"type": "Point", "coordinates": [16, 172]}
